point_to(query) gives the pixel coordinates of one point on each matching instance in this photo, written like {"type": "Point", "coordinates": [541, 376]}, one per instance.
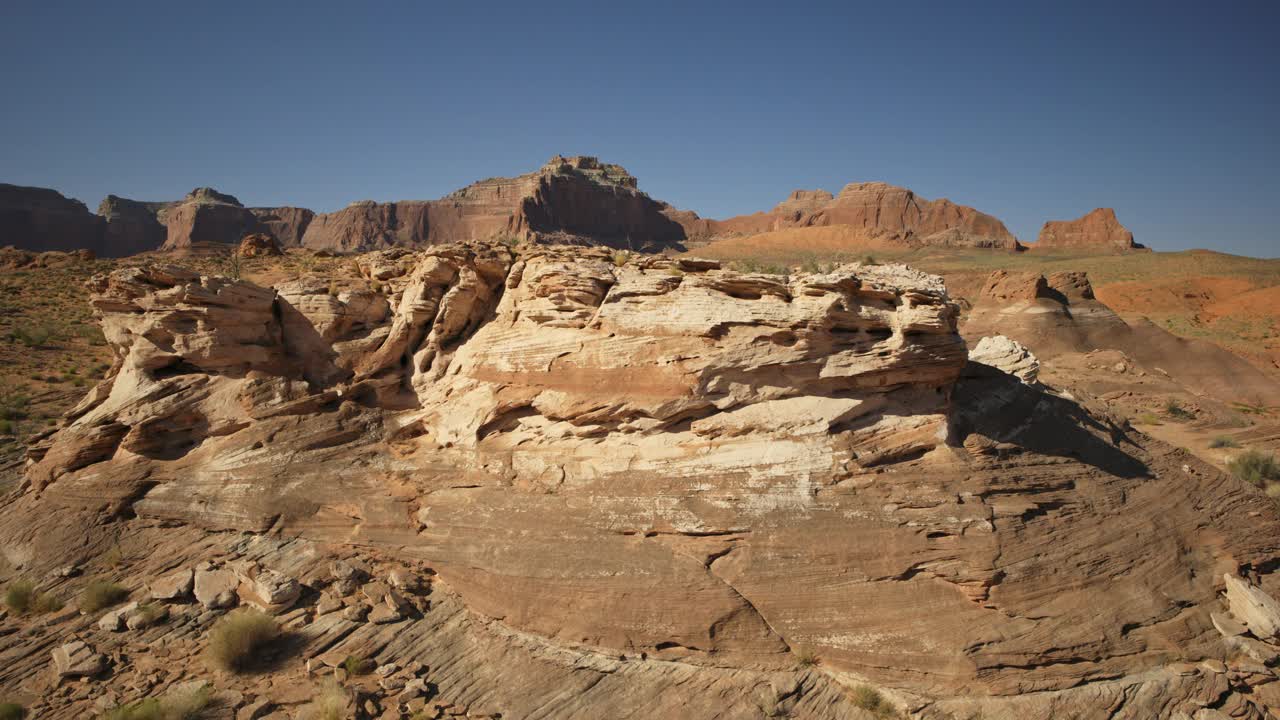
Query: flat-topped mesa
{"type": "Point", "coordinates": [879, 211]}
{"type": "Point", "coordinates": [1096, 230]}
{"type": "Point", "coordinates": [40, 219]}
{"type": "Point", "coordinates": [577, 200]}
{"type": "Point", "coordinates": [134, 226]}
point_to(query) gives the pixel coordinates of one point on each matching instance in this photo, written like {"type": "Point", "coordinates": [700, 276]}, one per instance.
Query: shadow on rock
{"type": "Point", "coordinates": [996, 405]}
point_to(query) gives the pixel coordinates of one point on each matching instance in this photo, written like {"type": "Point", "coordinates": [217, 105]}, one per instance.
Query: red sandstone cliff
{"type": "Point", "coordinates": [1099, 229]}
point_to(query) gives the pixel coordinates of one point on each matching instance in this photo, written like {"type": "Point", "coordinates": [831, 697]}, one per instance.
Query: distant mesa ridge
{"type": "Point", "coordinates": [575, 200]}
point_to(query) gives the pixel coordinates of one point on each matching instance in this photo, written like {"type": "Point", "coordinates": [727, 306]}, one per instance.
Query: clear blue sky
{"type": "Point", "coordinates": [1168, 111]}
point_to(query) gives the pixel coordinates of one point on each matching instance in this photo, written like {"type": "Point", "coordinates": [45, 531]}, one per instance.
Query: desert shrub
{"type": "Point", "coordinates": [35, 335]}
{"type": "Point", "coordinates": [237, 638]}
{"type": "Point", "coordinates": [12, 711]}
{"type": "Point", "coordinates": [14, 402]}
{"type": "Point", "coordinates": [113, 557]}
{"type": "Point", "coordinates": [22, 597]}
{"type": "Point", "coordinates": [806, 658]}
{"type": "Point", "coordinates": [620, 257]}
{"type": "Point", "coordinates": [355, 665]}
{"type": "Point", "coordinates": [1174, 410]}
{"type": "Point", "coordinates": [1222, 441]}
{"type": "Point", "coordinates": [92, 334]}
{"type": "Point", "coordinates": [330, 703]}
{"type": "Point", "coordinates": [1256, 468]}
{"type": "Point", "coordinates": [177, 705]}
{"type": "Point", "coordinates": [869, 260]}
{"type": "Point", "coordinates": [149, 612]}
{"type": "Point", "coordinates": [100, 595]}
{"type": "Point", "coordinates": [872, 701]}
{"type": "Point", "coordinates": [1148, 419]}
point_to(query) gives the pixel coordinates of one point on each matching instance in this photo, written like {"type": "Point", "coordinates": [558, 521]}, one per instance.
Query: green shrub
{"type": "Point", "coordinates": [35, 335]}
{"type": "Point", "coordinates": [1256, 468]}
{"type": "Point", "coordinates": [1176, 411]}
{"type": "Point", "coordinates": [14, 402]}
{"type": "Point", "coordinates": [355, 665]}
{"type": "Point", "coordinates": [237, 638]}
{"type": "Point", "coordinates": [12, 711]}
{"type": "Point", "coordinates": [806, 658]}
{"type": "Point", "coordinates": [100, 595]}
{"type": "Point", "coordinates": [22, 597]}
{"type": "Point", "coordinates": [1222, 441]}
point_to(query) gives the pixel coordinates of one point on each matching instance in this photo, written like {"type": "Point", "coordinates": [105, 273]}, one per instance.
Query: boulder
{"type": "Point", "coordinates": [258, 245]}
{"type": "Point", "coordinates": [1252, 606]}
{"type": "Point", "coordinates": [114, 621]}
{"type": "Point", "coordinates": [174, 586]}
{"type": "Point", "coordinates": [216, 589]}
{"type": "Point", "coordinates": [77, 659]}
{"type": "Point", "coordinates": [1008, 356]}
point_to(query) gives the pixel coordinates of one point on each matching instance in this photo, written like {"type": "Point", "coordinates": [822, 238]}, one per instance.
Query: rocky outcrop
{"type": "Point", "coordinates": [207, 216]}
{"type": "Point", "coordinates": [39, 219]}
{"type": "Point", "coordinates": [1008, 356]}
{"type": "Point", "coordinates": [1096, 230]}
{"type": "Point", "coordinates": [287, 225]}
{"type": "Point", "coordinates": [649, 483]}
{"type": "Point", "coordinates": [879, 211]}
{"type": "Point", "coordinates": [134, 226]}
{"type": "Point", "coordinates": [570, 200]}
{"type": "Point", "coordinates": [258, 245]}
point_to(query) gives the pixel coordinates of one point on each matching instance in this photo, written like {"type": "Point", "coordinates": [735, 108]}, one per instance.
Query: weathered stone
{"type": "Point", "coordinates": [1009, 356]}
{"type": "Point", "coordinates": [76, 659]}
{"type": "Point", "coordinates": [174, 586]}
{"type": "Point", "coordinates": [1227, 625]}
{"type": "Point", "coordinates": [383, 613]}
{"type": "Point", "coordinates": [1252, 606]}
{"type": "Point", "coordinates": [216, 589]}
{"type": "Point", "coordinates": [114, 620]}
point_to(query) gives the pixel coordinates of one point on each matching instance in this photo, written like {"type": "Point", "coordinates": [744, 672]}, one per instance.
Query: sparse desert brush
{"type": "Point", "coordinates": [1256, 468]}
{"type": "Point", "coordinates": [806, 658]}
{"type": "Point", "coordinates": [870, 699]}
{"type": "Point", "coordinates": [355, 665]}
{"type": "Point", "coordinates": [239, 636]}
{"type": "Point", "coordinates": [1174, 410]}
{"type": "Point", "coordinates": [620, 257]}
{"type": "Point", "coordinates": [100, 595]}
{"type": "Point", "coordinates": [12, 711]}
{"type": "Point", "coordinates": [330, 703]}
{"type": "Point", "coordinates": [22, 597]}
{"type": "Point", "coordinates": [35, 335]}
{"type": "Point", "coordinates": [1222, 441]}
{"type": "Point", "coordinates": [181, 704]}
{"type": "Point", "coordinates": [1148, 419]}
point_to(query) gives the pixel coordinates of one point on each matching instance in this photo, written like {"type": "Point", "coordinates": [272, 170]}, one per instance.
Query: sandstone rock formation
{"type": "Point", "coordinates": [258, 245]}
{"type": "Point", "coordinates": [207, 216]}
{"type": "Point", "coordinates": [578, 200]}
{"type": "Point", "coordinates": [652, 486]}
{"type": "Point", "coordinates": [1008, 356]}
{"type": "Point", "coordinates": [287, 225]}
{"type": "Point", "coordinates": [39, 219]}
{"type": "Point", "coordinates": [1059, 314]}
{"type": "Point", "coordinates": [1096, 230]}
{"type": "Point", "coordinates": [133, 226]}
{"type": "Point", "coordinates": [877, 210]}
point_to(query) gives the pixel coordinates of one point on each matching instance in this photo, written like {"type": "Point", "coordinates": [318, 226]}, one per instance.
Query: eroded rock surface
{"type": "Point", "coordinates": [1095, 230]}
{"type": "Point", "coordinates": [652, 485]}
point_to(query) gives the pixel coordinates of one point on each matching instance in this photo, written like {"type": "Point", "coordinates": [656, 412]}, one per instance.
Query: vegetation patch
{"type": "Point", "coordinates": [1223, 441]}
{"type": "Point", "coordinates": [177, 705]}
{"type": "Point", "coordinates": [22, 597]}
{"type": "Point", "coordinates": [1256, 468]}
{"type": "Point", "coordinates": [12, 711]}
{"type": "Point", "coordinates": [100, 595]}
{"type": "Point", "coordinates": [239, 637]}
{"type": "Point", "coordinates": [330, 703]}
{"type": "Point", "coordinates": [870, 699]}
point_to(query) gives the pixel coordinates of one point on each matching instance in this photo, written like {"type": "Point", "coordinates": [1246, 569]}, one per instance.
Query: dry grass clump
{"type": "Point", "coordinates": [355, 665]}
{"type": "Point", "coordinates": [100, 595]}
{"type": "Point", "coordinates": [329, 704]}
{"type": "Point", "coordinates": [177, 705]}
{"type": "Point", "coordinates": [236, 640]}
{"type": "Point", "coordinates": [872, 701]}
{"type": "Point", "coordinates": [22, 597]}
{"type": "Point", "coordinates": [1256, 468]}
{"type": "Point", "coordinates": [12, 711]}
{"type": "Point", "coordinates": [1223, 441]}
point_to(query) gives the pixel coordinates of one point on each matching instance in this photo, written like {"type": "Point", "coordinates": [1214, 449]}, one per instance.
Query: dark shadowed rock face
{"type": "Point", "coordinates": [1096, 230]}
{"type": "Point", "coordinates": [286, 224]}
{"type": "Point", "coordinates": [41, 219]}
{"type": "Point", "coordinates": [133, 226]}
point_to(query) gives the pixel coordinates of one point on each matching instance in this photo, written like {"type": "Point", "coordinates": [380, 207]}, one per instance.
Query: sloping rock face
{"type": "Point", "coordinates": [1056, 314]}
{"type": "Point", "coordinates": [880, 211]}
{"type": "Point", "coordinates": [651, 486]}
{"type": "Point", "coordinates": [40, 219]}
{"type": "Point", "coordinates": [1096, 230]}
{"type": "Point", "coordinates": [207, 216]}
{"type": "Point", "coordinates": [570, 200]}
{"type": "Point", "coordinates": [134, 226]}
